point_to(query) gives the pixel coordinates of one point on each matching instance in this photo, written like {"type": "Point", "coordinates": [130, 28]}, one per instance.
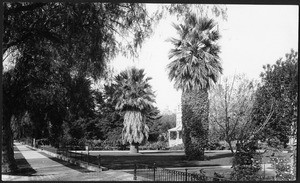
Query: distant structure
{"type": "Point", "coordinates": [175, 134]}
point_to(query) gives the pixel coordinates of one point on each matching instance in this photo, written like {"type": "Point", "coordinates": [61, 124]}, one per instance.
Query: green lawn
{"type": "Point", "coordinates": [165, 159]}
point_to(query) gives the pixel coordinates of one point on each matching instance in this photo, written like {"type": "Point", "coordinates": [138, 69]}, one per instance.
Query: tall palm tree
{"type": "Point", "coordinates": [195, 68]}
{"type": "Point", "coordinates": [135, 98]}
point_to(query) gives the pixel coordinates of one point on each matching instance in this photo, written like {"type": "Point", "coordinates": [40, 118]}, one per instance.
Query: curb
{"type": "Point", "coordinates": [72, 160]}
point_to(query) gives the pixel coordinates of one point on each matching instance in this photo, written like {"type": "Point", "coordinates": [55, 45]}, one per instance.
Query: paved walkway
{"type": "Point", "coordinates": [51, 169]}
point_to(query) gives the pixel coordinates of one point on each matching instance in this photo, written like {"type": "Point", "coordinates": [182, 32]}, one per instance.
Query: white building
{"type": "Point", "coordinates": [175, 134]}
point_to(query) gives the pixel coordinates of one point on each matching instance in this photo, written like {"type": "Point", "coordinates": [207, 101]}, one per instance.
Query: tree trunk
{"type": "Point", "coordinates": [230, 146]}
{"type": "Point", "coordinates": [195, 108]}
{"type": "Point", "coordinates": [8, 164]}
{"type": "Point", "coordinates": [134, 148]}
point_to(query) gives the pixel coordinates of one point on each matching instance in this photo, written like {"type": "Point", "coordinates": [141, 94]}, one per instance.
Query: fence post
{"type": "Point", "coordinates": [186, 174]}
{"type": "Point", "coordinates": [154, 167]}
{"type": "Point", "coordinates": [99, 160]}
{"type": "Point", "coordinates": [264, 170]}
{"type": "Point", "coordinates": [88, 155]}
{"type": "Point", "coordinates": [134, 172]}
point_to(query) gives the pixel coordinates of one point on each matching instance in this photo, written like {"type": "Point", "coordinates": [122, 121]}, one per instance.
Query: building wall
{"type": "Point", "coordinates": [178, 116]}
{"type": "Point", "coordinates": [178, 140]}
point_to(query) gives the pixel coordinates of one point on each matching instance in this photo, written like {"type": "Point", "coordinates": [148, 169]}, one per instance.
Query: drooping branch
{"type": "Point", "coordinates": [29, 7]}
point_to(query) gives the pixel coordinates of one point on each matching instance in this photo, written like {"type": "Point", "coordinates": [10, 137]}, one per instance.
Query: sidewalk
{"type": "Point", "coordinates": [48, 168]}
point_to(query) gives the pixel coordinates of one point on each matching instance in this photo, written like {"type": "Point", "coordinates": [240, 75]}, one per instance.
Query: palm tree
{"type": "Point", "coordinates": [134, 97]}
{"type": "Point", "coordinates": [195, 68]}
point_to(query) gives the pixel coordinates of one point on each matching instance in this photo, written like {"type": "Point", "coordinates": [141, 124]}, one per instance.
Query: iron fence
{"type": "Point", "coordinates": [79, 155]}
{"type": "Point", "coordinates": [144, 172]}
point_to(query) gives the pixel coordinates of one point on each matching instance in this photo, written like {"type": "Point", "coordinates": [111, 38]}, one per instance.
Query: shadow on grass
{"type": "Point", "coordinates": [218, 156]}
{"type": "Point", "coordinates": [164, 159]}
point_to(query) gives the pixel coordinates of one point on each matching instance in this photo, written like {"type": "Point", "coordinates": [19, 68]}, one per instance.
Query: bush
{"type": "Point", "coordinates": [177, 147]}
{"type": "Point", "coordinates": [283, 169]}
{"type": "Point", "coordinates": [246, 162]}
{"type": "Point", "coordinates": [215, 146]}
{"type": "Point", "coordinates": [159, 145]}
{"type": "Point", "coordinates": [275, 143]}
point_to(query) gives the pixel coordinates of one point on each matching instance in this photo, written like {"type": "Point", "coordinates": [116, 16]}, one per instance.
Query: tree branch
{"type": "Point", "coordinates": [23, 8]}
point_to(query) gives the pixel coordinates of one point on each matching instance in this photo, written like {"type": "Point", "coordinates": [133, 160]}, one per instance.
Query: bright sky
{"type": "Point", "coordinates": [253, 36]}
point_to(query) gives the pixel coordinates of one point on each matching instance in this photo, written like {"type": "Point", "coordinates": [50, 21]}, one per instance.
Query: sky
{"type": "Point", "coordinates": [252, 36]}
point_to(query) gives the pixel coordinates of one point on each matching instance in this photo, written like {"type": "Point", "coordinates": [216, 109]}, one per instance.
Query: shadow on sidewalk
{"type": "Point", "coordinates": [24, 167]}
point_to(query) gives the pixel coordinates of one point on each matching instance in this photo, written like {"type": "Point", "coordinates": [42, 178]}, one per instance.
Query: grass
{"type": "Point", "coordinates": [165, 159]}
{"type": "Point", "coordinates": [122, 160]}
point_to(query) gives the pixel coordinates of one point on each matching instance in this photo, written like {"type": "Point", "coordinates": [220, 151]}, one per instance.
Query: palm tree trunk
{"type": "Point", "coordinates": [195, 123]}
{"type": "Point", "coordinates": [8, 163]}
{"type": "Point", "coordinates": [134, 148]}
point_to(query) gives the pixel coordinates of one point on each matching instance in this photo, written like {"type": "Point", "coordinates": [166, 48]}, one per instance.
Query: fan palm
{"type": "Point", "coordinates": [195, 68]}
{"type": "Point", "coordinates": [135, 97]}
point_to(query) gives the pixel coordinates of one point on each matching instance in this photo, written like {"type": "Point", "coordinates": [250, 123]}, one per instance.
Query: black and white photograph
{"type": "Point", "coordinates": [140, 91]}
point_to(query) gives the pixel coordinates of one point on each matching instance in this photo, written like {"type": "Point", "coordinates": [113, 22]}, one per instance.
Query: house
{"type": "Point", "coordinates": [175, 134]}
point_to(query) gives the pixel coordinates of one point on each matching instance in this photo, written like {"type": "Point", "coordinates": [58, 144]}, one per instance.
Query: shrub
{"type": "Point", "coordinates": [283, 169]}
{"type": "Point", "coordinates": [177, 147]}
{"type": "Point", "coordinates": [215, 146]}
{"type": "Point", "coordinates": [246, 162]}
{"type": "Point", "coordinates": [275, 143]}
{"type": "Point", "coordinates": [218, 177]}
{"type": "Point", "coordinates": [159, 145]}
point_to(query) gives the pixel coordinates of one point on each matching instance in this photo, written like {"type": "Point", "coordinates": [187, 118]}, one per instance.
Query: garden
{"type": "Point", "coordinates": [61, 95]}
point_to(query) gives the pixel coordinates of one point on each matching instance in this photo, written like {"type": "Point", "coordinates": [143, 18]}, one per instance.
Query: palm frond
{"type": "Point", "coordinates": [195, 62]}
{"type": "Point", "coordinates": [135, 129]}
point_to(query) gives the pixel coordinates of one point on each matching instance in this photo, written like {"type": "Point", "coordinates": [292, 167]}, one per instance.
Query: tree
{"type": "Point", "coordinates": [196, 66]}
{"type": "Point", "coordinates": [204, 10]}
{"type": "Point", "coordinates": [160, 127]}
{"type": "Point", "coordinates": [231, 103]}
{"type": "Point", "coordinates": [279, 85]}
{"type": "Point", "coordinates": [135, 97]}
{"type": "Point", "coordinates": [79, 38]}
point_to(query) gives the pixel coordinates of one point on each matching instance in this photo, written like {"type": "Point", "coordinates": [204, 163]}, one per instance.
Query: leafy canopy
{"type": "Point", "coordinates": [279, 86]}
{"type": "Point", "coordinates": [195, 64]}
{"type": "Point", "coordinates": [133, 91]}
{"type": "Point", "coordinates": [83, 36]}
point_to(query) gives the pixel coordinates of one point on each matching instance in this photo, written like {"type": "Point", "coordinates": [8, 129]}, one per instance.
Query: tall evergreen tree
{"type": "Point", "coordinates": [79, 38]}
{"type": "Point", "coordinates": [195, 68]}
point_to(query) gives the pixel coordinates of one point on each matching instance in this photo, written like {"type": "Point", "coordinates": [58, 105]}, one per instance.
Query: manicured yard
{"type": "Point", "coordinates": [216, 161]}
{"type": "Point", "coordinates": [165, 159]}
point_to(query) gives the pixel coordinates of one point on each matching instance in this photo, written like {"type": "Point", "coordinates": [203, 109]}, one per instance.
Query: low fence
{"type": "Point", "coordinates": [85, 157]}
{"type": "Point", "coordinates": [143, 172]}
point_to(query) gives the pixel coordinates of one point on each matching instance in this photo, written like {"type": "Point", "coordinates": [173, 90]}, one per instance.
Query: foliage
{"type": "Point", "coordinates": [196, 64]}
{"type": "Point", "coordinates": [204, 10]}
{"type": "Point", "coordinates": [135, 97]}
{"type": "Point", "coordinates": [158, 129]}
{"type": "Point", "coordinates": [135, 129]}
{"type": "Point", "coordinates": [58, 41]}
{"type": "Point", "coordinates": [159, 145]}
{"type": "Point", "coordinates": [283, 169]}
{"type": "Point", "coordinates": [194, 68]}
{"type": "Point", "coordinates": [214, 146]}
{"type": "Point", "coordinates": [177, 147]}
{"type": "Point", "coordinates": [246, 162]}
{"type": "Point", "coordinates": [96, 31]}
{"type": "Point", "coordinates": [230, 107]}
{"type": "Point", "coordinates": [280, 87]}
